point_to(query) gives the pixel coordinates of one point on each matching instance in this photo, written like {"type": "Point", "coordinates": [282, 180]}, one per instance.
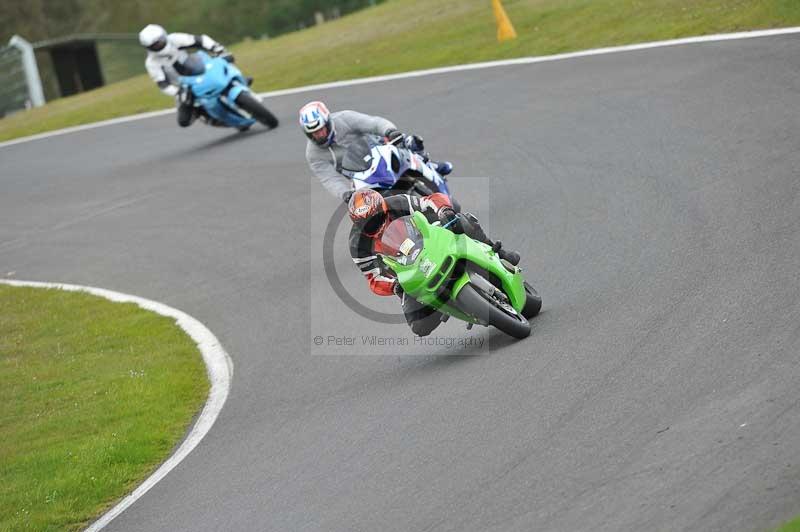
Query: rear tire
{"type": "Point", "coordinates": [474, 302]}
{"type": "Point", "coordinates": [424, 187]}
{"type": "Point", "coordinates": [533, 302]}
{"type": "Point", "coordinates": [253, 105]}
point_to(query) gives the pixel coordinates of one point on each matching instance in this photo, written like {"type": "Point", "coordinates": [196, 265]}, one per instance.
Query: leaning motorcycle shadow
{"type": "Point", "coordinates": [219, 142]}
{"type": "Point", "coordinates": [495, 343]}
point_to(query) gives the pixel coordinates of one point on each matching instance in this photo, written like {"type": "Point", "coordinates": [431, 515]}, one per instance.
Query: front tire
{"type": "Point", "coordinates": [253, 105]}
{"type": "Point", "coordinates": [533, 302]}
{"type": "Point", "coordinates": [474, 302]}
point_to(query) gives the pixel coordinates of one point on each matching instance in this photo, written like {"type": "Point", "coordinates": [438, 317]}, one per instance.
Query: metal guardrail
{"type": "Point", "coordinates": [13, 86]}
{"type": "Point", "coordinates": [31, 70]}
{"type": "Point", "coordinates": [20, 84]}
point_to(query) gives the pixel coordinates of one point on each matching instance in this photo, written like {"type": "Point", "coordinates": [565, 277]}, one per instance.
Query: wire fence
{"type": "Point", "coordinates": [13, 87]}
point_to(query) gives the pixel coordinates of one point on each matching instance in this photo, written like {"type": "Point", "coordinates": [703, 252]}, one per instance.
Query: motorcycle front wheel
{"type": "Point", "coordinates": [533, 302]}
{"type": "Point", "coordinates": [250, 103]}
{"type": "Point", "coordinates": [487, 308]}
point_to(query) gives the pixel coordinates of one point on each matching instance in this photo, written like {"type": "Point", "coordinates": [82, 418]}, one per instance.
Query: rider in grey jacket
{"type": "Point", "coordinates": [330, 134]}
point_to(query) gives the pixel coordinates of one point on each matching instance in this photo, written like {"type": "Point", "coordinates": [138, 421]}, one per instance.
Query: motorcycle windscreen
{"type": "Point", "coordinates": [194, 65]}
{"type": "Point", "coordinates": [402, 241]}
{"type": "Point", "coordinates": [358, 157]}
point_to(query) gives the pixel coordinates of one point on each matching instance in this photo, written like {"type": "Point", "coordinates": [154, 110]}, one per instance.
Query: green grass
{"type": "Point", "coordinates": [791, 526]}
{"type": "Point", "coordinates": [402, 35]}
{"type": "Point", "coordinates": [93, 396]}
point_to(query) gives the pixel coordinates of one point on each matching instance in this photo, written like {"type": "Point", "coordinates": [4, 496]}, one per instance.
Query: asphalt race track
{"type": "Point", "coordinates": [655, 199]}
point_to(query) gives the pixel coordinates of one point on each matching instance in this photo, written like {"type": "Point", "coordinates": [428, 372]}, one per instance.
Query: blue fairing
{"type": "Point", "coordinates": [216, 89]}
{"type": "Point", "coordinates": [235, 91]}
{"type": "Point", "coordinates": [441, 183]}
{"type": "Point", "coordinates": [383, 176]}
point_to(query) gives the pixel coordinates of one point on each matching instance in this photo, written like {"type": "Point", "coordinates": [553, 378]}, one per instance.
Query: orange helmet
{"type": "Point", "coordinates": [367, 208]}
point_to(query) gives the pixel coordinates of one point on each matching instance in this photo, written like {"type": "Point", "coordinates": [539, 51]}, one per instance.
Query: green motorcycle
{"type": "Point", "coordinates": [458, 276]}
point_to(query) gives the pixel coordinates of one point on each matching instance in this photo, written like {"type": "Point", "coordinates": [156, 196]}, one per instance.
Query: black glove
{"type": "Point", "coordinates": [392, 135]}
{"type": "Point", "coordinates": [447, 215]}
{"type": "Point", "coordinates": [415, 143]}
{"type": "Point", "coordinates": [227, 56]}
{"type": "Point", "coordinates": [347, 195]}
{"type": "Point", "coordinates": [217, 49]}
{"type": "Point", "coordinates": [397, 289]}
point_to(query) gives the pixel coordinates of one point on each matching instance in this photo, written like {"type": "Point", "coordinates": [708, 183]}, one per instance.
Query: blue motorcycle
{"type": "Point", "coordinates": [215, 85]}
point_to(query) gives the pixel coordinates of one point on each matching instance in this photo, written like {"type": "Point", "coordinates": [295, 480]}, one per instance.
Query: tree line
{"type": "Point", "coordinates": [225, 20]}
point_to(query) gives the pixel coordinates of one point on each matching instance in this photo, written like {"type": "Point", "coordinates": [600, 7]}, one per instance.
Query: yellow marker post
{"type": "Point", "coordinates": [505, 30]}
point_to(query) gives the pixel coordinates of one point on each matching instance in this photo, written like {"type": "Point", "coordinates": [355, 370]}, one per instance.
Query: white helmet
{"type": "Point", "coordinates": [315, 119]}
{"type": "Point", "coordinates": [153, 37]}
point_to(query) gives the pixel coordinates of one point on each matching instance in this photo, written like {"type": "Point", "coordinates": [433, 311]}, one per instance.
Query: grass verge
{"type": "Point", "coordinates": [791, 526]}
{"type": "Point", "coordinates": [93, 396]}
{"type": "Point", "coordinates": [402, 35]}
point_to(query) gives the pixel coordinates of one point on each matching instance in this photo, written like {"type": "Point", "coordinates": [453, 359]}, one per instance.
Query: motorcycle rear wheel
{"type": "Point", "coordinates": [425, 187]}
{"type": "Point", "coordinates": [253, 105]}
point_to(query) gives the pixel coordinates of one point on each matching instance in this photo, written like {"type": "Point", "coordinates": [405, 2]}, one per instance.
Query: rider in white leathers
{"type": "Point", "coordinates": [166, 53]}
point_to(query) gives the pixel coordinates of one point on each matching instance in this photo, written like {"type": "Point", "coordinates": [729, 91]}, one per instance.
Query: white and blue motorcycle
{"type": "Point", "coordinates": [390, 169]}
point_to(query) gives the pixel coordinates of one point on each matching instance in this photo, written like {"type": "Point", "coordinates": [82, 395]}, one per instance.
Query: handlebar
{"type": "Point", "coordinates": [451, 222]}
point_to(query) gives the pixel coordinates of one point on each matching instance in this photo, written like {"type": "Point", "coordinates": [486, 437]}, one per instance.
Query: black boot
{"type": "Point", "coordinates": [510, 256]}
